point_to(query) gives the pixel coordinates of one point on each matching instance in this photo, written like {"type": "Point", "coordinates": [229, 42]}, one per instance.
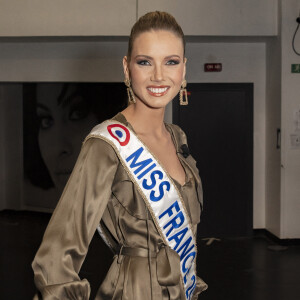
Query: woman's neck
{"type": "Point", "coordinates": [145, 120]}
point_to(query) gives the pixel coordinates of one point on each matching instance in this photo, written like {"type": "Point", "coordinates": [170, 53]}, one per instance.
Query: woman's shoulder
{"type": "Point", "coordinates": [97, 148]}
{"type": "Point", "coordinates": [178, 133]}
{"type": "Point", "coordinates": [175, 127]}
{"type": "Point", "coordinates": [98, 151]}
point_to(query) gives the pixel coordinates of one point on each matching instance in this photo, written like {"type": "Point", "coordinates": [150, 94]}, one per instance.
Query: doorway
{"type": "Point", "coordinates": [218, 123]}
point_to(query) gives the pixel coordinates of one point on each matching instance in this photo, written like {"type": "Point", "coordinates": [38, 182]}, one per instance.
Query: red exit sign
{"type": "Point", "coordinates": [212, 67]}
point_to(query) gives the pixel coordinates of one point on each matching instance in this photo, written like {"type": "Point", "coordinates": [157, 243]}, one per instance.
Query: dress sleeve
{"type": "Point", "coordinates": [73, 224]}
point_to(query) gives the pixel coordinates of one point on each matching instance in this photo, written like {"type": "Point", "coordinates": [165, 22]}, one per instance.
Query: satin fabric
{"type": "Point", "coordinates": [100, 190]}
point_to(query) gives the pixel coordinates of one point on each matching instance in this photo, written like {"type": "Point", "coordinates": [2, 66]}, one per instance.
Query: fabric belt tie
{"type": "Point", "coordinates": [141, 252]}
{"type": "Point", "coordinates": [167, 263]}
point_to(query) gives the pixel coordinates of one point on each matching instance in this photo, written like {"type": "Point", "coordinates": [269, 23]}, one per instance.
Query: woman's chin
{"type": "Point", "coordinates": [156, 103]}
{"type": "Point", "coordinates": [60, 179]}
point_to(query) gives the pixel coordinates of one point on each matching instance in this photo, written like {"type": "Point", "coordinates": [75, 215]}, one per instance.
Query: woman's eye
{"type": "Point", "coordinates": [143, 62]}
{"type": "Point", "coordinates": [46, 122]}
{"type": "Point", "coordinates": [172, 62]}
{"type": "Point", "coordinates": [78, 114]}
{"type": "Point", "coordinates": [79, 108]}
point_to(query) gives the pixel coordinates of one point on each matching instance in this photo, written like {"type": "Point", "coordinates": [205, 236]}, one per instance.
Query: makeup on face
{"type": "Point", "coordinates": [157, 67]}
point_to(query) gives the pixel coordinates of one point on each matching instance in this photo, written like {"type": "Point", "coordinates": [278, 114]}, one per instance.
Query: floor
{"type": "Point", "coordinates": [234, 268]}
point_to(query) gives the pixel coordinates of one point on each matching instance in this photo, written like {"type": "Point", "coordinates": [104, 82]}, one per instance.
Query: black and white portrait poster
{"type": "Point", "coordinates": [56, 119]}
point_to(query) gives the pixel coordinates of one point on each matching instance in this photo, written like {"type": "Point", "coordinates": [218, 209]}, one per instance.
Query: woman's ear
{"type": "Point", "coordinates": [184, 67]}
{"type": "Point", "coordinates": [126, 67]}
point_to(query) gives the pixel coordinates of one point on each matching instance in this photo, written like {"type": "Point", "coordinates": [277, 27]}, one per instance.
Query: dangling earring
{"type": "Point", "coordinates": [183, 99]}
{"type": "Point", "coordinates": [130, 93]}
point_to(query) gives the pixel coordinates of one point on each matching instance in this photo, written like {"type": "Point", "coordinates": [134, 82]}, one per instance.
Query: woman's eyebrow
{"type": "Point", "coordinates": [149, 57]}
{"type": "Point", "coordinates": [143, 56]}
{"type": "Point", "coordinates": [69, 99]}
{"type": "Point", "coordinates": [42, 106]}
{"type": "Point", "coordinates": [172, 56]}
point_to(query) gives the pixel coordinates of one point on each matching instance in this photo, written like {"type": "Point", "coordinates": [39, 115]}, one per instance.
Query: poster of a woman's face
{"type": "Point", "coordinates": [57, 118]}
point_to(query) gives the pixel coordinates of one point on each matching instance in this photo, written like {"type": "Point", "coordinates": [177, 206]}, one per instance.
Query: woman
{"type": "Point", "coordinates": [135, 174]}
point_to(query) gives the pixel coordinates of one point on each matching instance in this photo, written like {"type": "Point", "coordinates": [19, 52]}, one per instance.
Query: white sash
{"type": "Point", "coordinates": [159, 193]}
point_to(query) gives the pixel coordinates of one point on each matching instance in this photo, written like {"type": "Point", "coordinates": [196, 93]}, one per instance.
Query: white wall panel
{"type": "Point", "coordinates": [290, 93]}
{"type": "Point", "coordinates": [273, 122]}
{"type": "Point", "coordinates": [219, 17]}
{"type": "Point", "coordinates": [62, 61]}
{"type": "Point", "coordinates": [66, 18]}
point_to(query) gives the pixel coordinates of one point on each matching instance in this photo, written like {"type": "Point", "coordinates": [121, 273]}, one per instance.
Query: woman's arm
{"type": "Point", "coordinates": [73, 224]}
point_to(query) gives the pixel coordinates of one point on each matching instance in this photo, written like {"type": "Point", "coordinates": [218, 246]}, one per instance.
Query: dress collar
{"type": "Point", "coordinates": [176, 138]}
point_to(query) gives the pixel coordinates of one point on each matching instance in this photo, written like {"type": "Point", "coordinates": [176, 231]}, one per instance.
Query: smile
{"type": "Point", "coordinates": [157, 91]}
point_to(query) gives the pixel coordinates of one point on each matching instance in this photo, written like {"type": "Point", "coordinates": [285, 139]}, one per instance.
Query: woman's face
{"type": "Point", "coordinates": [156, 68]}
{"type": "Point", "coordinates": [65, 120]}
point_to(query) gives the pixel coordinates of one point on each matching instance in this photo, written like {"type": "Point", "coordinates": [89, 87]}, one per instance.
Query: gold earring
{"type": "Point", "coordinates": [130, 93]}
{"type": "Point", "coordinates": [183, 99]}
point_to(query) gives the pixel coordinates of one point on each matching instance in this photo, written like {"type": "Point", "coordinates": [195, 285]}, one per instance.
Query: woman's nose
{"type": "Point", "coordinates": [64, 144]}
{"type": "Point", "coordinates": [157, 74]}
{"type": "Point", "coordinates": [66, 150]}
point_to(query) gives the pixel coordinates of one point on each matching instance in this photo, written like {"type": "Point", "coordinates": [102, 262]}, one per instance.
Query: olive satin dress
{"type": "Point", "coordinates": [100, 191]}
